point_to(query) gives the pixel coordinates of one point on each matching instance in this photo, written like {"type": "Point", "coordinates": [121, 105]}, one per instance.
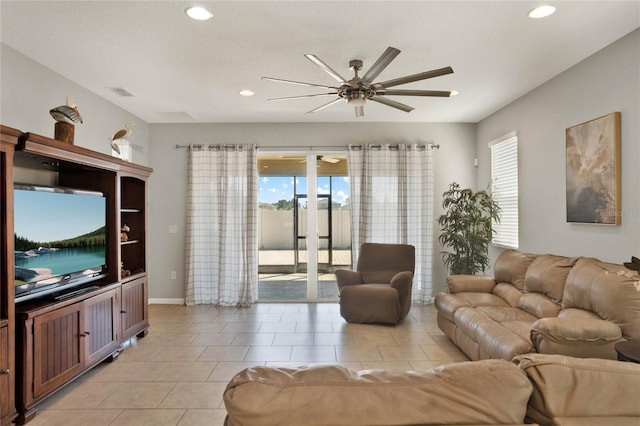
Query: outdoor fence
{"type": "Point", "coordinates": [276, 228]}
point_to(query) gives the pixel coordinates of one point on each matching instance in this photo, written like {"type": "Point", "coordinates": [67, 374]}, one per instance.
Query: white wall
{"type": "Point", "coordinates": [28, 90]}
{"type": "Point", "coordinates": [453, 162]}
{"type": "Point", "coordinates": [607, 81]}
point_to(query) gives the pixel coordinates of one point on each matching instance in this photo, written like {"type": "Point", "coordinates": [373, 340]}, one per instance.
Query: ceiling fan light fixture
{"type": "Point", "coordinates": [356, 99]}
{"type": "Point", "coordinates": [198, 13]}
{"type": "Point", "coordinates": [247, 92]}
{"type": "Point", "coordinates": [541, 11]}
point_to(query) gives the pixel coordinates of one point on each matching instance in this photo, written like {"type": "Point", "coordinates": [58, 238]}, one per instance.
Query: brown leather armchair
{"type": "Point", "coordinates": [379, 291]}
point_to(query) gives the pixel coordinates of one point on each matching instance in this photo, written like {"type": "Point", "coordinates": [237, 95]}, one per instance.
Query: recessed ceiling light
{"type": "Point", "coordinates": [198, 13]}
{"type": "Point", "coordinates": [247, 92]}
{"type": "Point", "coordinates": [542, 12]}
{"type": "Point", "coordinates": [453, 93]}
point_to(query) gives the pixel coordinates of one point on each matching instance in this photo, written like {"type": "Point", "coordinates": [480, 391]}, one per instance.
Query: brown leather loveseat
{"type": "Point", "coordinates": [548, 390]}
{"type": "Point", "coordinates": [545, 303]}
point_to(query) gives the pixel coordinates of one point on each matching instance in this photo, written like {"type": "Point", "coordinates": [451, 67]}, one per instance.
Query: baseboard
{"type": "Point", "coordinates": [159, 301]}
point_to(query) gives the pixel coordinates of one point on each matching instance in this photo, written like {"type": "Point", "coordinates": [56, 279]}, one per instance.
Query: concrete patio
{"type": "Point", "coordinates": [277, 282]}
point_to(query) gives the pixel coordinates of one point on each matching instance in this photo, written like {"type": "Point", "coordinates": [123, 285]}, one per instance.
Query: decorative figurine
{"type": "Point", "coordinates": [122, 135]}
{"type": "Point", "coordinates": [66, 116]}
{"type": "Point", "coordinates": [123, 233]}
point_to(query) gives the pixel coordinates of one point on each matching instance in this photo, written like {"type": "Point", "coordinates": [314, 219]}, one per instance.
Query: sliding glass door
{"type": "Point", "coordinates": [304, 232]}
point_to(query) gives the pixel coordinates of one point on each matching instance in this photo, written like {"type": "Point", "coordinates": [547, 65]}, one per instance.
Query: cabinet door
{"type": "Point", "coordinates": [59, 353]}
{"type": "Point", "coordinates": [135, 313]}
{"type": "Point", "coordinates": [5, 401]}
{"type": "Point", "coordinates": [101, 326]}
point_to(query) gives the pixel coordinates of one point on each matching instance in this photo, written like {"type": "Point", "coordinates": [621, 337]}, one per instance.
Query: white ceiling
{"type": "Point", "coordinates": [180, 70]}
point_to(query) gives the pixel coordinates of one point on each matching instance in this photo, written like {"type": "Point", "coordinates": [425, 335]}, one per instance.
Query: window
{"type": "Point", "coordinates": [504, 177]}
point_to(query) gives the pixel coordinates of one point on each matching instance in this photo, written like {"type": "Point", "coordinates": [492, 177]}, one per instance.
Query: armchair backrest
{"type": "Point", "coordinates": [378, 257]}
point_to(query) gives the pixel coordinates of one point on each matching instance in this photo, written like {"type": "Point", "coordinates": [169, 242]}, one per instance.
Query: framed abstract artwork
{"type": "Point", "coordinates": [593, 171]}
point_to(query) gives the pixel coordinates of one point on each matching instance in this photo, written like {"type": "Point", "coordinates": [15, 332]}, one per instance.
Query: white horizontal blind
{"type": "Point", "coordinates": [504, 176]}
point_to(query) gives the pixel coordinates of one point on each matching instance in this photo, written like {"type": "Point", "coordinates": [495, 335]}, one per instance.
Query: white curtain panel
{"type": "Point", "coordinates": [392, 202]}
{"type": "Point", "coordinates": [222, 242]}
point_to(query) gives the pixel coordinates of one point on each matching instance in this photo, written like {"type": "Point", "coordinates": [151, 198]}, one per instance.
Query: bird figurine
{"type": "Point", "coordinates": [66, 113]}
{"type": "Point", "coordinates": [121, 134]}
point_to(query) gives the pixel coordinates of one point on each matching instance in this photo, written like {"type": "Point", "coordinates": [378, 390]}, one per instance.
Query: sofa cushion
{"type": "Point", "coordinates": [334, 395]}
{"type": "Point", "coordinates": [508, 293]}
{"type": "Point", "coordinates": [501, 332]}
{"type": "Point", "coordinates": [447, 304]}
{"type": "Point", "coordinates": [547, 274]}
{"type": "Point", "coordinates": [608, 290]}
{"type": "Point", "coordinates": [572, 388]}
{"type": "Point", "coordinates": [538, 305]}
{"type": "Point", "coordinates": [511, 267]}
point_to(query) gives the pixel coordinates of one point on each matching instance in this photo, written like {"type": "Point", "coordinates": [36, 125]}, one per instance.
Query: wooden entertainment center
{"type": "Point", "coordinates": [46, 343]}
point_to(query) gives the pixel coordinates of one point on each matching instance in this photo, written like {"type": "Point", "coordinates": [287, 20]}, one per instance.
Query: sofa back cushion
{"type": "Point", "coordinates": [547, 274]}
{"type": "Point", "coordinates": [483, 392]}
{"type": "Point", "coordinates": [511, 267]}
{"type": "Point", "coordinates": [538, 305]}
{"type": "Point", "coordinates": [609, 290]}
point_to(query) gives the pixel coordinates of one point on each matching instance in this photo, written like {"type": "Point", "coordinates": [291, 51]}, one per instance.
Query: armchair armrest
{"type": "Point", "coordinates": [402, 283]}
{"type": "Point", "coordinates": [346, 277]}
{"type": "Point", "coordinates": [471, 283]}
{"type": "Point", "coordinates": [578, 337]}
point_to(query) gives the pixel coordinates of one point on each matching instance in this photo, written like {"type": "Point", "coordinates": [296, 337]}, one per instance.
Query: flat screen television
{"type": "Point", "coordinates": [60, 239]}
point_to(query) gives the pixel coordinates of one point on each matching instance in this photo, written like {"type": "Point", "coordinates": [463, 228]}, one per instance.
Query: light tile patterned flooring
{"type": "Point", "coordinates": [177, 374]}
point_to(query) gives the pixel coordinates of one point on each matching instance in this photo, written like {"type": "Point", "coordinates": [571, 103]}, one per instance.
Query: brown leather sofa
{"type": "Point", "coordinates": [379, 290]}
{"type": "Point", "coordinates": [535, 388]}
{"type": "Point", "coordinates": [541, 303]}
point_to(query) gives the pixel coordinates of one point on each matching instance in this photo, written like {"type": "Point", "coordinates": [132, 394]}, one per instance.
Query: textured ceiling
{"type": "Point", "coordinates": [180, 70]}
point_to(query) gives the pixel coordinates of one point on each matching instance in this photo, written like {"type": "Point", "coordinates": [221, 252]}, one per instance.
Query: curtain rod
{"type": "Point", "coordinates": [430, 145]}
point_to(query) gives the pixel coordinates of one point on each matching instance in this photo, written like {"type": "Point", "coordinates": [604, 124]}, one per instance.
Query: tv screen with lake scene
{"type": "Point", "coordinates": [60, 238]}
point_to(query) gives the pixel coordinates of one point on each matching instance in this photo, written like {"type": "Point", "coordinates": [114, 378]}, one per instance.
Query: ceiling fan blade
{"type": "Point", "coordinates": [383, 61]}
{"type": "Point", "coordinates": [302, 96]}
{"type": "Point", "coordinates": [326, 68]}
{"type": "Point", "coordinates": [324, 106]}
{"type": "Point", "coordinates": [415, 77]}
{"type": "Point", "coordinates": [280, 80]}
{"type": "Point", "coordinates": [438, 93]}
{"type": "Point", "coordinates": [392, 103]}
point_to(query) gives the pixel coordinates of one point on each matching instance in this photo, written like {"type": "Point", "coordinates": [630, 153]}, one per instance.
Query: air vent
{"type": "Point", "coordinates": [121, 92]}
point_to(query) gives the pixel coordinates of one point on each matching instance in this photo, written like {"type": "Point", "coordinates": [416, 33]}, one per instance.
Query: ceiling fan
{"type": "Point", "coordinates": [325, 158]}
{"type": "Point", "coordinates": [360, 89]}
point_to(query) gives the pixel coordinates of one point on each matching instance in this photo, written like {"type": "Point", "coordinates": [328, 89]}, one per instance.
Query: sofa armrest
{"type": "Point", "coordinates": [346, 277]}
{"type": "Point", "coordinates": [402, 282]}
{"type": "Point", "coordinates": [578, 337]}
{"type": "Point", "coordinates": [473, 283]}
{"type": "Point", "coordinates": [573, 391]}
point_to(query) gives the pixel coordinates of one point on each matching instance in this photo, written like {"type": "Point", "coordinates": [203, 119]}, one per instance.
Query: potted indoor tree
{"type": "Point", "coordinates": [466, 229]}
